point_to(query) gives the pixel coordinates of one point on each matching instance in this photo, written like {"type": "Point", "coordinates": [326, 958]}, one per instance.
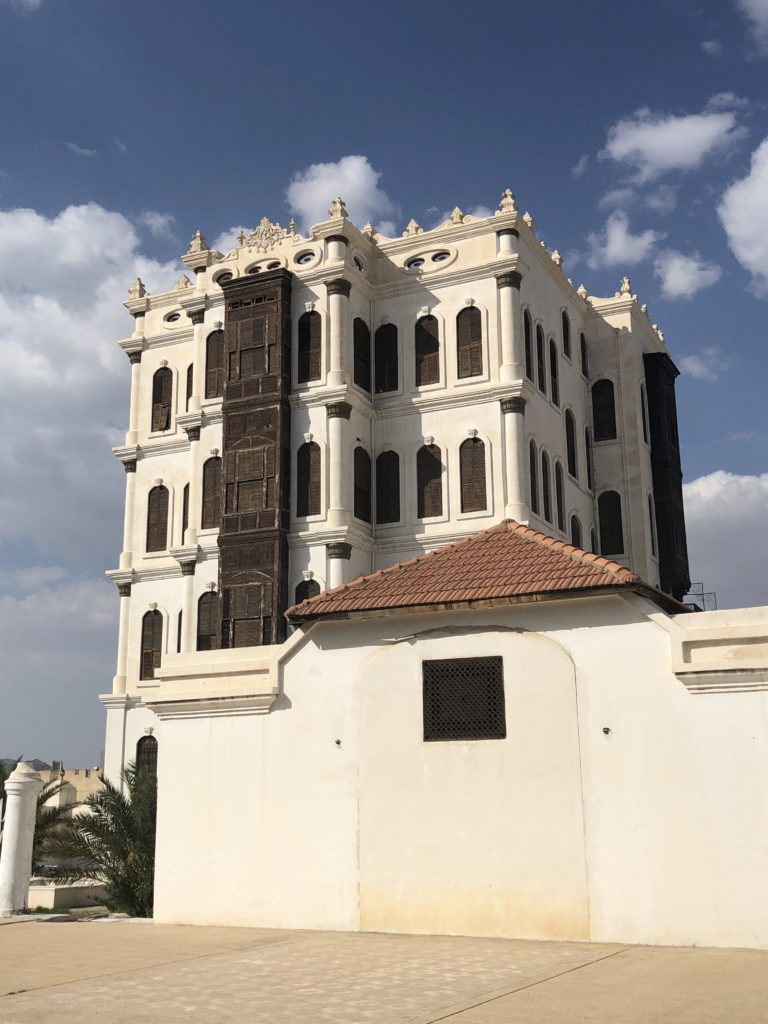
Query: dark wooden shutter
{"type": "Point", "coordinates": [588, 459]}
{"type": "Point", "coordinates": [546, 493]}
{"type": "Point", "coordinates": [388, 488]}
{"type": "Point", "coordinates": [308, 480]}
{"type": "Point", "coordinates": [603, 410]}
{"type": "Point", "coordinates": [566, 335]}
{"type": "Point", "coordinates": [362, 351]}
{"type": "Point", "coordinates": [207, 616]}
{"type": "Point", "coordinates": [157, 519]}
{"type": "Point", "coordinates": [162, 394]}
{"type": "Point", "coordinates": [307, 589]}
{"type": "Point", "coordinates": [429, 482]}
{"type": "Point", "coordinates": [190, 376]}
{"type": "Point", "coordinates": [554, 373]}
{"type": "Point", "coordinates": [385, 358]}
{"type": "Point", "coordinates": [243, 624]}
{"type": "Point", "coordinates": [151, 644]}
{"type": "Point", "coordinates": [541, 361]}
{"type": "Point", "coordinates": [559, 496]}
{"type": "Point", "coordinates": [309, 343]}
{"type": "Point", "coordinates": [570, 444]}
{"type": "Point", "coordinates": [584, 354]}
{"type": "Point", "coordinates": [469, 342]}
{"type": "Point", "coordinates": [146, 755]}
{"type": "Point", "coordinates": [644, 413]}
{"type": "Point", "coordinates": [472, 472]}
{"type": "Point", "coordinates": [184, 511]}
{"type": "Point", "coordinates": [528, 332]}
{"type": "Point", "coordinates": [211, 514]}
{"type": "Point", "coordinates": [427, 351]}
{"type": "Point", "coordinates": [214, 365]}
{"type": "Point", "coordinates": [362, 476]}
{"type": "Point", "coordinates": [575, 532]}
{"type": "Point", "coordinates": [611, 529]}
{"type": "Point", "coordinates": [533, 477]}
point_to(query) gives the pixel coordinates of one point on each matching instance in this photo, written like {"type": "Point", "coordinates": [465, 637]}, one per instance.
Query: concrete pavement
{"type": "Point", "coordinates": [122, 971]}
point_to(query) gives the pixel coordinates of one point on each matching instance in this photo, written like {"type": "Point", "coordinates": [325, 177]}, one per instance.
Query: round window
{"type": "Point", "coordinates": [253, 270]}
{"type": "Point", "coordinates": [173, 317]}
{"type": "Point", "coordinates": [274, 265]}
{"type": "Point", "coordinates": [226, 276]}
{"type": "Point", "coordinates": [440, 257]}
{"type": "Point", "coordinates": [305, 257]}
{"type": "Point", "coordinates": [415, 263]}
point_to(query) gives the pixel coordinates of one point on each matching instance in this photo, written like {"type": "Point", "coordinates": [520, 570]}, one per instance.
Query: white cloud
{"type": "Point", "coordinates": [682, 276]}
{"type": "Point", "coordinates": [651, 144]}
{"type": "Point", "coordinates": [120, 145]}
{"type": "Point", "coordinates": [707, 365]}
{"type": "Point", "coordinates": [158, 224]}
{"type": "Point", "coordinates": [725, 519]}
{"type": "Point", "coordinates": [580, 166]}
{"type": "Point", "coordinates": [228, 239]}
{"type": "Point", "coordinates": [663, 200]}
{"type": "Point", "coordinates": [311, 191]}
{"type": "Point", "coordinates": [712, 47]}
{"type": "Point", "coordinates": [743, 213]}
{"type": "Point", "coordinates": [756, 13]}
{"type": "Point", "coordinates": [617, 246]}
{"type": "Point", "coordinates": [79, 151]}
{"type": "Point", "coordinates": [616, 198]}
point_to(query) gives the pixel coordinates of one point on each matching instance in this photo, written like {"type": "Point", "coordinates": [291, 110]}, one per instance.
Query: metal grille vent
{"type": "Point", "coordinates": [464, 699]}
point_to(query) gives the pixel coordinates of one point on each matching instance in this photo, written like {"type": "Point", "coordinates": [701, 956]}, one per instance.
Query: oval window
{"type": "Point", "coordinates": [253, 270]}
{"type": "Point", "coordinates": [173, 317]}
{"type": "Point", "coordinates": [274, 265]}
{"type": "Point", "coordinates": [226, 276]}
{"type": "Point", "coordinates": [441, 257]}
{"type": "Point", "coordinates": [305, 257]}
{"type": "Point", "coordinates": [415, 263]}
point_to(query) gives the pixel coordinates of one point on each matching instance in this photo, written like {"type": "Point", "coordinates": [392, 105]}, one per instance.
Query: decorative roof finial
{"type": "Point", "coordinates": [507, 204]}
{"type": "Point", "coordinates": [292, 225]}
{"type": "Point", "coordinates": [413, 228]}
{"type": "Point", "coordinates": [241, 238]}
{"type": "Point", "coordinates": [557, 259]}
{"type": "Point", "coordinates": [369, 229]}
{"type": "Point", "coordinates": [137, 289]}
{"type": "Point", "coordinates": [198, 243]}
{"type": "Point", "coordinates": [337, 208]}
{"type": "Point", "coordinates": [457, 215]}
{"type": "Point", "coordinates": [183, 283]}
{"type": "Point", "coordinates": [529, 220]}
{"type": "Point", "coordinates": [626, 286]}
{"type": "Point", "coordinates": [582, 291]}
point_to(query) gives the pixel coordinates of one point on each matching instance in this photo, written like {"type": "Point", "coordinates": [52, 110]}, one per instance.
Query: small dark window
{"type": "Point", "coordinates": [274, 265]}
{"type": "Point", "coordinates": [162, 392]}
{"type": "Point", "coordinates": [469, 342]}
{"type": "Point", "coordinates": [415, 263]}
{"type": "Point", "coordinates": [214, 365]}
{"type": "Point", "coordinates": [541, 361]}
{"type": "Point", "coordinates": [207, 615]}
{"type": "Point", "coordinates": [388, 488]}
{"type": "Point", "coordinates": [559, 496]}
{"type": "Point", "coordinates": [304, 257]}
{"type": "Point", "coordinates": [362, 351]}
{"type": "Point", "coordinates": [243, 619]}
{"type": "Point", "coordinates": [305, 590]}
{"type": "Point", "coordinates": [528, 332]}
{"type": "Point", "coordinates": [472, 475]}
{"type": "Point", "coordinates": [575, 531]}
{"type": "Point", "coordinates": [603, 410]}
{"type": "Point", "coordinates": [179, 624]}
{"type": "Point", "coordinates": [609, 517]}
{"type": "Point", "coordinates": [146, 755]}
{"type": "Point", "coordinates": [362, 475]}
{"type": "Point", "coordinates": [151, 644]}
{"type": "Point", "coordinates": [184, 511]}
{"type": "Point", "coordinates": [546, 492]}
{"type": "Point", "coordinates": [429, 482]}
{"type": "Point", "coordinates": [464, 699]}
{"type": "Point", "coordinates": [589, 459]}
{"type": "Point", "coordinates": [190, 375]}
{"type": "Point", "coordinates": [427, 351]}
{"type": "Point", "coordinates": [223, 278]}
{"type": "Point", "coordinates": [570, 444]}
{"type": "Point", "coordinates": [309, 344]}
{"type": "Point", "coordinates": [554, 373]}
{"type": "Point", "coordinates": [644, 412]}
{"type": "Point", "coordinates": [652, 524]}
{"type": "Point", "coordinates": [566, 335]}
{"type": "Point", "coordinates": [157, 519]}
{"type": "Point", "coordinates": [584, 354]}
{"type": "Point", "coordinates": [211, 512]}
{"type": "Point", "coordinates": [533, 477]}
{"type": "Point", "coordinates": [441, 257]}
{"type": "Point", "coordinates": [308, 480]}
{"type": "Point", "coordinates": [385, 358]}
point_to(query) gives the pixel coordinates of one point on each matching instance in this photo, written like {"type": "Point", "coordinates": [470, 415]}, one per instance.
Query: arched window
{"type": "Point", "coordinates": [308, 480]}
{"type": "Point", "coordinates": [184, 511]}
{"type": "Point", "coordinates": [570, 444]}
{"type": "Point", "coordinates": [362, 474]}
{"type": "Point", "coordinates": [554, 377]}
{"type": "Point", "coordinates": [309, 347]}
{"type": "Point", "coordinates": [609, 517]}
{"type": "Point", "coordinates": [566, 335]}
{"type": "Point", "coordinates": [469, 342]}
{"type": "Point", "coordinates": [575, 531]}
{"type": "Point", "coordinates": [644, 412]}
{"type": "Point", "coordinates": [584, 354]}
{"type": "Point", "coordinates": [589, 459]}
{"type": "Point", "coordinates": [546, 487]}
{"type": "Point", "coordinates": [190, 377]}
{"type": "Point", "coordinates": [306, 589]}
{"type": "Point", "coordinates": [362, 346]}
{"type": "Point", "coordinates": [211, 513]}
{"type": "Point", "coordinates": [559, 496]}
{"type": "Point", "coordinates": [652, 524]}
{"type": "Point", "coordinates": [146, 755]}
{"type": "Point", "coordinates": [151, 644]}
{"type": "Point", "coordinates": [541, 361]}
{"type": "Point", "coordinates": [427, 351]}
{"type": "Point", "coordinates": [207, 616]}
{"type": "Point", "coordinates": [603, 410]}
{"type": "Point", "coordinates": [214, 365]}
{"type": "Point", "coordinates": [385, 358]}
{"type": "Point", "coordinates": [157, 519]}
{"type": "Point", "coordinates": [388, 488]}
{"type": "Point", "coordinates": [528, 332]}
{"type": "Point", "coordinates": [162, 394]}
{"type": "Point", "coordinates": [429, 482]}
{"type": "Point", "coordinates": [472, 474]}
{"type": "Point", "coordinates": [533, 477]}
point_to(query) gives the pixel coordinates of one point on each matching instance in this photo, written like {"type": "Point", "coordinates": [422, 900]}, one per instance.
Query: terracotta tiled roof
{"type": "Point", "coordinates": [505, 561]}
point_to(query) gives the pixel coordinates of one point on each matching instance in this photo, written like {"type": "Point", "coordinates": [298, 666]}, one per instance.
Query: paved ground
{"type": "Point", "coordinates": [119, 972]}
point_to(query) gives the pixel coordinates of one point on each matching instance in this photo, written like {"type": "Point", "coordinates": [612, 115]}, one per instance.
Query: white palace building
{"type": "Point", "coordinates": [445, 744]}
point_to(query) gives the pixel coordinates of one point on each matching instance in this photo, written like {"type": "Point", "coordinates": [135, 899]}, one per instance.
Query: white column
{"type": "Point", "coordinates": [195, 510]}
{"type": "Point", "coordinates": [507, 241]}
{"type": "Point", "coordinates": [338, 564]}
{"type": "Point", "coordinates": [511, 327]}
{"type": "Point", "coordinates": [516, 504]}
{"type": "Point", "coordinates": [338, 313]}
{"type": "Point", "coordinates": [21, 790]}
{"type": "Point", "coordinates": [188, 617]}
{"type": "Point", "coordinates": [337, 247]}
{"type": "Point", "coordinates": [339, 464]}
{"type": "Point", "coordinates": [197, 316]}
{"type": "Point", "coordinates": [126, 555]}
{"type": "Point", "coordinates": [119, 682]}
{"type": "Point", "coordinates": [133, 416]}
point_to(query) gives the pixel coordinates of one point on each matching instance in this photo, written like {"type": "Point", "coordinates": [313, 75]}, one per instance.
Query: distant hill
{"type": "Point", "coordinates": [37, 764]}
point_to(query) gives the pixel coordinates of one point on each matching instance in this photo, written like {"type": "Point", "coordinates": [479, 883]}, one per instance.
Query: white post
{"type": "Point", "coordinates": [133, 415]}
{"type": "Point", "coordinates": [119, 681]}
{"type": "Point", "coordinates": [338, 301]}
{"type": "Point", "coordinates": [21, 788]}
{"type": "Point", "coordinates": [516, 503]}
{"type": "Point", "coordinates": [510, 327]}
{"type": "Point", "coordinates": [339, 555]}
{"type": "Point", "coordinates": [340, 464]}
{"type": "Point", "coordinates": [126, 555]}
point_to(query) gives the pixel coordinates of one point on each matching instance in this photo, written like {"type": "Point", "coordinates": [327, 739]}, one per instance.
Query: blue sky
{"type": "Point", "coordinates": [632, 133]}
